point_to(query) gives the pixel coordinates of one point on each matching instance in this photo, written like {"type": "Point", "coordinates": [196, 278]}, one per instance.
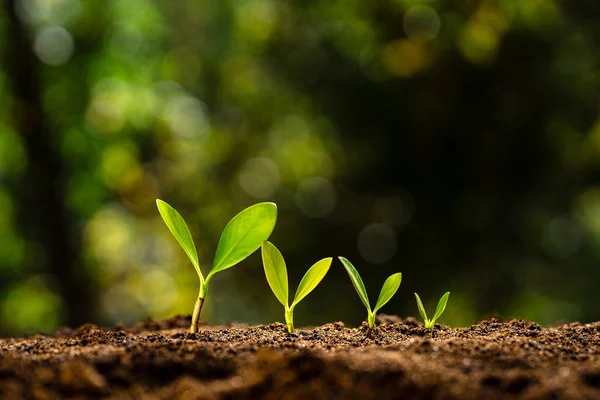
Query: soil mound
{"type": "Point", "coordinates": [399, 359]}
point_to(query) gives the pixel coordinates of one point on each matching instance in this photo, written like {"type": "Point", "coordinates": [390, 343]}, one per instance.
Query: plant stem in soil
{"type": "Point", "coordinates": [371, 320]}
{"type": "Point", "coordinates": [196, 315]}
{"type": "Point", "coordinates": [289, 319]}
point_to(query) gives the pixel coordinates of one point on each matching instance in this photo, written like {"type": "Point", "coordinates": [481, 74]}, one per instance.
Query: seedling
{"type": "Point", "coordinates": [389, 289]}
{"type": "Point", "coordinates": [241, 237]}
{"type": "Point", "coordinates": [430, 323]}
{"type": "Point", "coordinates": [276, 273]}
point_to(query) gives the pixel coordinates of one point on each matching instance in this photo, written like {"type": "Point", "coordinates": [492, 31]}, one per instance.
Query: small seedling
{"type": "Point", "coordinates": [389, 289]}
{"type": "Point", "coordinates": [276, 273]}
{"type": "Point", "coordinates": [241, 237]}
{"type": "Point", "coordinates": [430, 323]}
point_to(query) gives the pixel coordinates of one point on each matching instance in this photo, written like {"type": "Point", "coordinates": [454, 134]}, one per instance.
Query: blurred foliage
{"type": "Point", "coordinates": [455, 141]}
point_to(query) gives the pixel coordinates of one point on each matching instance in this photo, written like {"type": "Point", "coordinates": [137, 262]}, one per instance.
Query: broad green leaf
{"type": "Point", "coordinates": [244, 234]}
{"type": "Point", "coordinates": [441, 306]}
{"type": "Point", "coordinates": [388, 290]}
{"type": "Point", "coordinates": [356, 281]}
{"type": "Point", "coordinates": [421, 308]}
{"type": "Point", "coordinates": [276, 271]}
{"type": "Point", "coordinates": [180, 230]}
{"type": "Point", "coordinates": [311, 279]}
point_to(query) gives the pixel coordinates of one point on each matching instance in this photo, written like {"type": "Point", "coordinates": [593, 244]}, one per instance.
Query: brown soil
{"type": "Point", "coordinates": [397, 360]}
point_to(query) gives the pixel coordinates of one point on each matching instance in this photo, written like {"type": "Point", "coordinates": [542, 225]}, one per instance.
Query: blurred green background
{"type": "Point", "coordinates": [455, 141]}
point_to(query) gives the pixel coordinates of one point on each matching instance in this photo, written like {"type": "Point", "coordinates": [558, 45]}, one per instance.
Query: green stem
{"type": "Point", "coordinates": [371, 319]}
{"type": "Point", "coordinates": [198, 307]}
{"type": "Point", "coordinates": [289, 319]}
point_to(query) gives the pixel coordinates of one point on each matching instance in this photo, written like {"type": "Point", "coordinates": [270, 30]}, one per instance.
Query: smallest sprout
{"type": "Point", "coordinates": [430, 323]}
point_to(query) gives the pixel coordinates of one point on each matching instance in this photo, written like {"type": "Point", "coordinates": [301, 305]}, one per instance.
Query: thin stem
{"type": "Point", "coordinates": [196, 315]}
{"type": "Point", "coordinates": [289, 319]}
{"type": "Point", "coordinates": [371, 319]}
{"type": "Point", "coordinates": [198, 307]}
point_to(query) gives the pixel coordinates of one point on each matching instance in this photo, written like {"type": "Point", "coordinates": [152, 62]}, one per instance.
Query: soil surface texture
{"type": "Point", "coordinates": [399, 359]}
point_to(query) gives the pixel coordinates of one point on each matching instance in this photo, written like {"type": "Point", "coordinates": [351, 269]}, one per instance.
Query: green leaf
{"type": "Point", "coordinates": [421, 309]}
{"type": "Point", "coordinates": [311, 279]}
{"type": "Point", "coordinates": [244, 234]}
{"type": "Point", "coordinates": [441, 306]}
{"type": "Point", "coordinates": [388, 290]}
{"type": "Point", "coordinates": [357, 282]}
{"type": "Point", "coordinates": [180, 230]}
{"type": "Point", "coordinates": [276, 271]}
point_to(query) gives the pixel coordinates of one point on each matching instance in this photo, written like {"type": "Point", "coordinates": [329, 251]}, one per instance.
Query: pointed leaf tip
{"type": "Point", "coordinates": [180, 230]}
{"type": "Point", "coordinates": [275, 271]}
{"type": "Point", "coordinates": [356, 281]}
{"type": "Point", "coordinates": [312, 278]}
{"type": "Point", "coordinates": [441, 306]}
{"type": "Point", "coordinates": [421, 309]}
{"type": "Point", "coordinates": [388, 290]}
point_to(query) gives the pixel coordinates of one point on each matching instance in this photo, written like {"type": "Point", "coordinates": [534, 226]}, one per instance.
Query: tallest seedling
{"type": "Point", "coordinates": [241, 237]}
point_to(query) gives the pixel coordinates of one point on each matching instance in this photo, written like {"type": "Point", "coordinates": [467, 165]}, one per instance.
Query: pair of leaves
{"type": "Point", "coordinates": [241, 237]}
{"type": "Point", "coordinates": [388, 290]}
{"type": "Point", "coordinates": [276, 272]}
{"type": "Point", "coordinates": [438, 311]}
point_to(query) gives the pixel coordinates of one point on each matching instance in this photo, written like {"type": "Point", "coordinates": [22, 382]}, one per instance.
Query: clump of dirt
{"type": "Point", "coordinates": [398, 359]}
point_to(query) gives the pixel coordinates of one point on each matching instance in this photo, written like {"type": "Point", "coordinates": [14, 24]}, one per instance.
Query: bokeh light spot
{"type": "Point", "coordinates": [54, 45]}
{"type": "Point", "coordinates": [104, 115]}
{"type": "Point", "coordinates": [377, 243]}
{"type": "Point", "coordinates": [404, 57]}
{"type": "Point", "coordinates": [39, 308]}
{"type": "Point", "coordinates": [157, 291]}
{"type": "Point", "coordinates": [480, 37]}
{"type": "Point", "coordinates": [38, 12]}
{"type": "Point", "coordinates": [115, 297]}
{"type": "Point", "coordinates": [316, 197]}
{"type": "Point", "coordinates": [421, 23]}
{"type": "Point", "coordinates": [561, 237]}
{"type": "Point", "coordinates": [256, 20]}
{"type": "Point", "coordinates": [113, 99]}
{"type": "Point", "coordinates": [119, 166]}
{"type": "Point", "coordinates": [290, 128]}
{"type": "Point", "coordinates": [187, 116]}
{"type": "Point", "coordinates": [34, 11]}
{"type": "Point", "coordinates": [394, 210]}
{"type": "Point", "coordinates": [259, 177]}
{"type": "Point", "coordinates": [478, 43]}
{"type": "Point", "coordinates": [109, 238]}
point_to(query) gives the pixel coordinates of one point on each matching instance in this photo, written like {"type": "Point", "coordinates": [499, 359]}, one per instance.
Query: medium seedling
{"type": "Point", "coordinates": [430, 323]}
{"type": "Point", "coordinates": [241, 237]}
{"type": "Point", "coordinates": [389, 289]}
{"type": "Point", "coordinates": [276, 273]}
